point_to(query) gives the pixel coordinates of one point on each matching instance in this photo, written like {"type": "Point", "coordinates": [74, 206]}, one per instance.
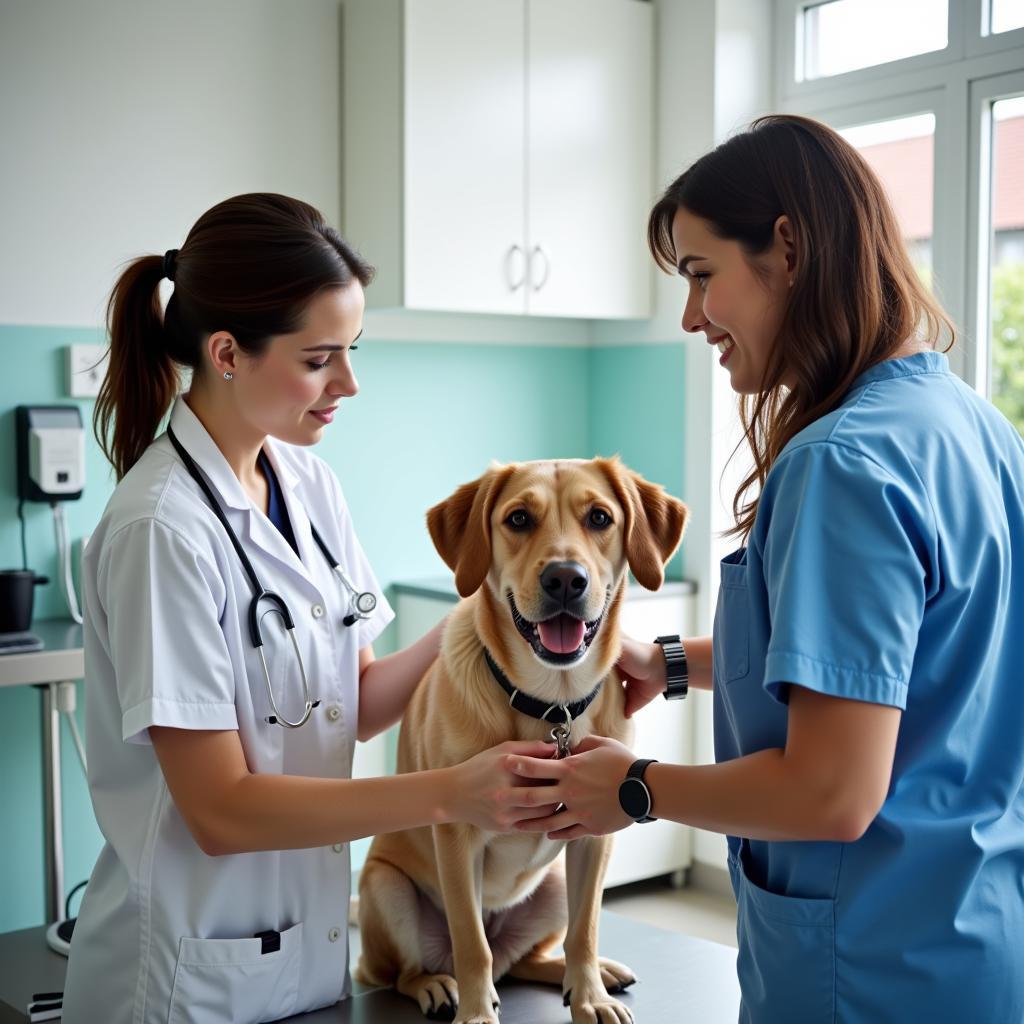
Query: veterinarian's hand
{"type": "Point", "coordinates": [587, 784]}
{"type": "Point", "coordinates": [488, 792]}
{"type": "Point", "coordinates": [642, 666]}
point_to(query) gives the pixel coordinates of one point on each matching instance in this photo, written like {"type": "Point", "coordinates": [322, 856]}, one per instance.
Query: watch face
{"type": "Point", "coordinates": [634, 798]}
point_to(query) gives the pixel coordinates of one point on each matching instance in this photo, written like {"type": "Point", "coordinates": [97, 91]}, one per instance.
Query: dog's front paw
{"type": "Point", "coordinates": [481, 1009]}
{"type": "Point", "coordinates": [616, 977]}
{"type": "Point", "coordinates": [437, 994]}
{"type": "Point", "coordinates": [589, 1002]}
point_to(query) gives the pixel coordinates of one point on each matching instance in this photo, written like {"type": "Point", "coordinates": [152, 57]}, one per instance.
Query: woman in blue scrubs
{"type": "Point", "coordinates": [867, 662]}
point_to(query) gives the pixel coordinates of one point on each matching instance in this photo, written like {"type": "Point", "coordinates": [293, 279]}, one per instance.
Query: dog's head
{"type": "Point", "coordinates": [552, 540]}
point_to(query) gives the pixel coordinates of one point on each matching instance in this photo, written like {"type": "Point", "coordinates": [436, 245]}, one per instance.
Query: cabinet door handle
{"type": "Point", "coordinates": [538, 251]}
{"type": "Point", "coordinates": [513, 284]}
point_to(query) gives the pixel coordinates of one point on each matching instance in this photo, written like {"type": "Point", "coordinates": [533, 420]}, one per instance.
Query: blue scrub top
{"type": "Point", "coordinates": [886, 564]}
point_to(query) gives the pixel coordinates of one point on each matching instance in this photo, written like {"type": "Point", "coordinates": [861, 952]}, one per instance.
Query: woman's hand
{"type": "Point", "coordinates": [587, 783]}
{"type": "Point", "coordinates": [643, 668]}
{"type": "Point", "coordinates": [487, 792]}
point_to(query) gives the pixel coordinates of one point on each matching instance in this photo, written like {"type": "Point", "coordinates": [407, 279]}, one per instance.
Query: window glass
{"type": "Point", "coordinates": [902, 153]}
{"type": "Point", "coordinates": [1006, 15]}
{"type": "Point", "coordinates": [1006, 301]}
{"type": "Point", "coordinates": [843, 35]}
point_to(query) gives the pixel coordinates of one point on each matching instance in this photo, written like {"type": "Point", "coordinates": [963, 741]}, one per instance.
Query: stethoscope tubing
{"type": "Point", "coordinates": [363, 602]}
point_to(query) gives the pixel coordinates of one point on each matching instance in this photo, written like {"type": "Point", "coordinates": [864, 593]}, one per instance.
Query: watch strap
{"type": "Point", "coordinates": [677, 673]}
{"type": "Point", "coordinates": [638, 767]}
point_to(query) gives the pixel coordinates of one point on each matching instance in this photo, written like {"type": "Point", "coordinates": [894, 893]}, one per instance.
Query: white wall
{"type": "Point", "coordinates": [714, 77]}
{"type": "Point", "coordinates": [742, 91]}
{"type": "Point", "coordinates": [122, 121]}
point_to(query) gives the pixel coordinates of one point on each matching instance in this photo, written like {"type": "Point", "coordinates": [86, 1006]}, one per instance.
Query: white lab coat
{"type": "Point", "coordinates": [165, 931]}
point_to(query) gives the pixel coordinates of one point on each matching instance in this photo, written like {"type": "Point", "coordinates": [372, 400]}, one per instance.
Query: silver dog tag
{"type": "Point", "coordinates": [560, 735]}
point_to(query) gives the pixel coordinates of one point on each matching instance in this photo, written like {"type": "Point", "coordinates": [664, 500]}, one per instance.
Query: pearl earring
{"type": "Point", "coordinates": [228, 375]}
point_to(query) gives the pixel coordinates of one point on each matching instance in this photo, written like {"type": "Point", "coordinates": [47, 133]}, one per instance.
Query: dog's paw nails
{"type": "Point", "coordinates": [445, 1012]}
{"type": "Point", "coordinates": [438, 997]}
{"type": "Point", "coordinates": [619, 987]}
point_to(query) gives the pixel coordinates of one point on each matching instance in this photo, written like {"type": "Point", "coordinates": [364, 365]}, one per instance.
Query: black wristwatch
{"type": "Point", "coordinates": [676, 671]}
{"type": "Point", "coordinates": [634, 796]}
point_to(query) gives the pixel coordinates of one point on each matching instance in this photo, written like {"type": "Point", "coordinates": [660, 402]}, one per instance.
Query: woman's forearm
{"type": "Point", "coordinates": [387, 683]}
{"type": "Point", "coordinates": [289, 812]}
{"type": "Point", "coordinates": [698, 661]}
{"type": "Point", "coordinates": [759, 796]}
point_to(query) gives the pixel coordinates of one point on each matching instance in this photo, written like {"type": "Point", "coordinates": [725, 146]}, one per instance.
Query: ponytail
{"type": "Point", "coordinates": [249, 266]}
{"type": "Point", "coordinates": [142, 379]}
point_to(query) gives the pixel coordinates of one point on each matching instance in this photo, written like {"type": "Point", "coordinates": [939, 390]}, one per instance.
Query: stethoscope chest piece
{"type": "Point", "coordinates": [265, 603]}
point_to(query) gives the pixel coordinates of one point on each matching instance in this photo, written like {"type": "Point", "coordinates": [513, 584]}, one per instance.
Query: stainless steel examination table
{"type": "Point", "coordinates": [682, 980]}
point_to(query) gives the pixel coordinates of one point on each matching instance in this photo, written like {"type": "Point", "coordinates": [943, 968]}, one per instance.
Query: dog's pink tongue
{"type": "Point", "coordinates": [561, 635]}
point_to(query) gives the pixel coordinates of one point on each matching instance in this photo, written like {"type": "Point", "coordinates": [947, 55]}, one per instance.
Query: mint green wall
{"type": "Point", "coordinates": [635, 409]}
{"type": "Point", "coordinates": [429, 416]}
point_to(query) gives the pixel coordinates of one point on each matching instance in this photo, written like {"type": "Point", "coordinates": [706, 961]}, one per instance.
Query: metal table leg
{"type": "Point", "coordinates": [53, 824]}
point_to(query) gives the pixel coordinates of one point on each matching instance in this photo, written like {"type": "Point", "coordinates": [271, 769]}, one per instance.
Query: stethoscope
{"type": "Point", "coordinates": [361, 602]}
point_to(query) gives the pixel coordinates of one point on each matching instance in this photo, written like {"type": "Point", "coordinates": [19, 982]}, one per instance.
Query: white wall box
{"type": "Point", "coordinates": [663, 731]}
{"type": "Point", "coordinates": [498, 153]}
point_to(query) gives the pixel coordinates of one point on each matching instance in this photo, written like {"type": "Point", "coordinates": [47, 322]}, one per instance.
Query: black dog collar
{"type": "Point", "coordinates": [535, 708]}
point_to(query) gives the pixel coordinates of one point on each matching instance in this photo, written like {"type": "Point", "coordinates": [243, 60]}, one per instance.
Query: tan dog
{"type": "Point", "coordinates": [539, 552]}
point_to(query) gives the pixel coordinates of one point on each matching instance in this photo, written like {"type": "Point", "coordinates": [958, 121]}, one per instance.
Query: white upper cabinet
{"type": "Point", "coordinates": [498, 153]}
{"type": "Point", "coordinates": [589, 75]}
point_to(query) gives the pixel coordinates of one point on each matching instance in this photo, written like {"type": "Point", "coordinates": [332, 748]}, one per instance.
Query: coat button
{"type": "Point", "coordinates": [318, 611]}
{"type": "Point", "coordinates": [338, 847]}
{"type": "Point", "coordinates": [334, 712]}
{"type": "Point", "coordinates": [334, 934]}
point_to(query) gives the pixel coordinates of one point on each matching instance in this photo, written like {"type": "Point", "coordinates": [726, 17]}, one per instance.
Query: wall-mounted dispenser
{"type": "Point", "coordinates": [51, 469]}
{"type": "Point", "coordinates": [51, 453]}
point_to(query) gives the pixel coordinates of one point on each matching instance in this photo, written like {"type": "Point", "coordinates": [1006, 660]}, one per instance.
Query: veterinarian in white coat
{"type": "Point", "coordinates": [221, 892]}
{"type": "Point", "coordinates": [866, 663]}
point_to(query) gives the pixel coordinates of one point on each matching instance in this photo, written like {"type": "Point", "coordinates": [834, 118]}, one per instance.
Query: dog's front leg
{"type": "Point", "coordinates": [585, 993]}
{"type": "Point", "coordinates": [460, 861]}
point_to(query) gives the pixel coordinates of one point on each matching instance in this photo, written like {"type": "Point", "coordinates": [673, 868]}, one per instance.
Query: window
{"type": "Point", "coordinates": [1006, 254]}
{"type": "Point", "coordinates": [901, 152]}
{"type": "Point", "coordinates": [844, 35]}
{"type": "Point", "coordinates": [1006, 15]}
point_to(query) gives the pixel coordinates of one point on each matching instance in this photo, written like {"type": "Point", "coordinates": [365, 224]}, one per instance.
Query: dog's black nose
{"type": "Point", "coordinates": [565, 581]}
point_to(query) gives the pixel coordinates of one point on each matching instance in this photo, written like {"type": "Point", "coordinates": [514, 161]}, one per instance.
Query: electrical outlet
{"type": "Point", "coordinates": [86, 367]}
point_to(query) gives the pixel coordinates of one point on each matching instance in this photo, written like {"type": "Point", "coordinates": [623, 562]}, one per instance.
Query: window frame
{"type": "Point", "coordinates": [982, 41]}
{"type": "Point", "coordinates": [983, 93]}
{"type": "Point", "coordinates": [958, 82]}
{"type": "Point", "coordinates": [788, 42]}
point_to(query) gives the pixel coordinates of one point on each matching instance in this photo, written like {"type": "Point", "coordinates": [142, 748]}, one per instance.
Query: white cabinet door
{"type": "Point", "coordinates": [477, 129]}
{"type": "Point", "coordinates": [663, 730]}
{"type": "Point", "coordinates": [589, 157]}
{"type": "Point", "coordinates": [464, 151]}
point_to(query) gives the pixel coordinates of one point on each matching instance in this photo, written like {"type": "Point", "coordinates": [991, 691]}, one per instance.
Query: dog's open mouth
{"type": "Point", "coordinates": [560, 640]}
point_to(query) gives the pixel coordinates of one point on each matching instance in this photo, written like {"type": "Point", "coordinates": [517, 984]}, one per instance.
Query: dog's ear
{"type": "Point", "coordinates": [460, 527]}
{"type": "Point", "coordinates": [654, 522]}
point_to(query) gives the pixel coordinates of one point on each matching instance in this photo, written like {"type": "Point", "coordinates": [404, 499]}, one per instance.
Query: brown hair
{"type": "Point", "coordinates": [856, 297]}
{"type": "Point", "coordinates": [250, 266]}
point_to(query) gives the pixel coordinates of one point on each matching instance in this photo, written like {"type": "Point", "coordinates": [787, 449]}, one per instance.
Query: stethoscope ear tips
{"type": "Point", "coordinates": [350, 620]}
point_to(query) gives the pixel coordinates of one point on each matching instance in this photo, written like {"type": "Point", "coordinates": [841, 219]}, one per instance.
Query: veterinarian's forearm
{"type": "Point", "coordinates": [698, 661]}
{"type": "Point", "coordinates": [291, 812]}
{"type": "Point", "coordinates": [760, 796]}
{"type": "Point", "coordinates": [386, 684]}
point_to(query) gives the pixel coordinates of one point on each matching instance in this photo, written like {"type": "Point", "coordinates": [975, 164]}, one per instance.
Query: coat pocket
{"type": "Point", "coordinates": [787, 955]}
{"type": "Point", "coordinates": [229, 981]}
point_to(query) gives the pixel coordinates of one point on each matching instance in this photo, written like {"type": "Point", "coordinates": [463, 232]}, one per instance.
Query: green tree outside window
{"type": "Point", "coordinates": [1007, 342]}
